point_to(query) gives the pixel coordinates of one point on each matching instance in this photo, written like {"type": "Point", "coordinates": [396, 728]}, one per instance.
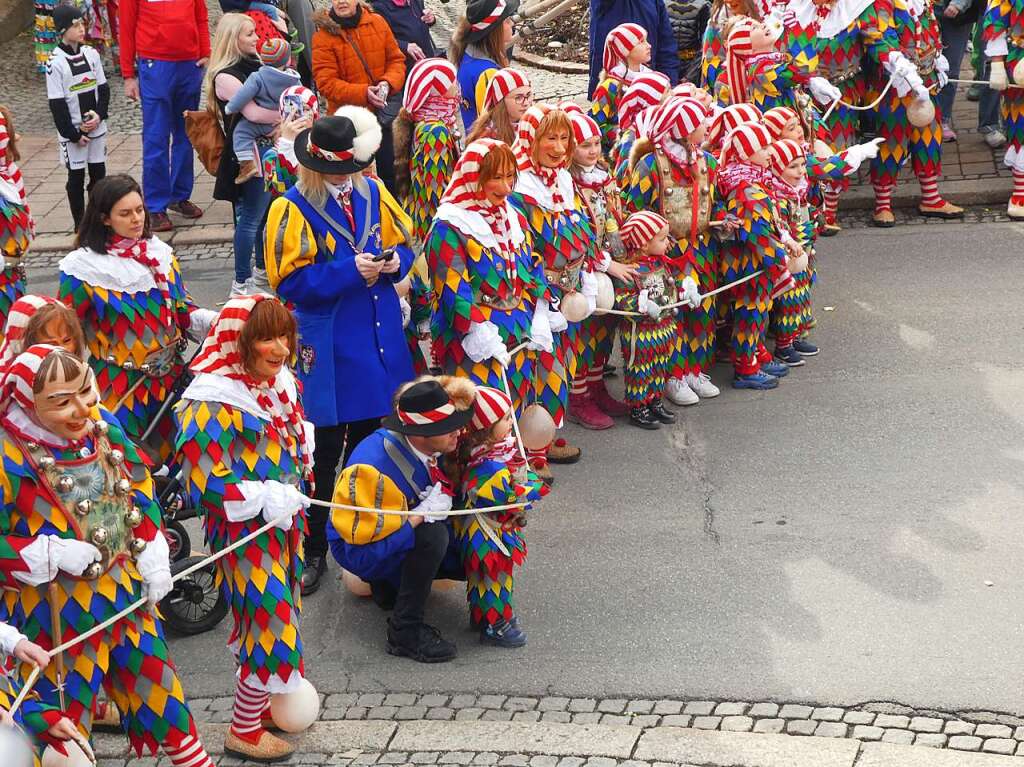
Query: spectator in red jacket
{"type": "Point", "coordinates": [164, 47]}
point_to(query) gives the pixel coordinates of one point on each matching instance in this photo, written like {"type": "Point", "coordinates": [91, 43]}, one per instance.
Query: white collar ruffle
{"type": "Point", "coordinates": [472, 224]}
{"type": "Point", "coordinates": [531, 185]}
{"type": "Point", "coordinates": [842, 14]}
{"type": "Point", "coordinates": [110, 272]}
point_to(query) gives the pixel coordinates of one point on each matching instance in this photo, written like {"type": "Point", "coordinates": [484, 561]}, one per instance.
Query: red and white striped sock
{"type": "Point", "coordinates": [883, 195]}
{"type": "Point", "coordinates": [930, 196]}
{"type": "Point", "coordinates": [188, 753]}
{"type": "Point", "coordinates": [579, 383]}
{"type": "Point", "coordinates": [831, 203]}
{"type": "Point", "coordinates": [1017, 197]}
{"type": "Point", "coordinates": [248, 710]}
{"type": "Point", "coordinates": [596, 375]}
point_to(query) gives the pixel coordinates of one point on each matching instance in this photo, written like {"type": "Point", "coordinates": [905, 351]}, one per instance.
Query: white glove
{"type": "Point", "coordinates": [154, 565]}
{"type": "Point", "coordinates": [434, 504]}
{"type": "Point", "coordinates": [281, 502]}
{"type": "Point", "coordinates": [654, 310]}
{"type": "Point", "coordinates": [48, 554]}
{"type": "Point", "coordinates": [858, 153]}
{"type": "Point", "coordinates": [904, 74]}
{"type": "Point", "coordinates": [588, 287]}
{"type": "Point", "coordinates": [691, 293]}
{"type": "Point", "coordinates": [557, 320]}
{"type": "Point", "coordinates": [921, 93]}
{"type": "Point", "coordinates": [942, 70]}
{"type": "Point", "coordinates": [406, 312]}
{"type": "Point", "coordinates": [199, 323]}
{"type": "Point", "coordinates": [823, 91]}
{"type": "Point", "coordinates": [541, 337]}
{"type": "Point", "coordinates": [997, 46]}
{"type": "Point", "coordinates": [483, 341]}
{"type": "Point", "coordinates": [997, 79]}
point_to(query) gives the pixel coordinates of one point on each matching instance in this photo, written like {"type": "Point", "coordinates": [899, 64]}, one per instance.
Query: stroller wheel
{"type": "Point", "coordinates": [196, 604]}
{"type": "Point", "coordinates": [178, 541]}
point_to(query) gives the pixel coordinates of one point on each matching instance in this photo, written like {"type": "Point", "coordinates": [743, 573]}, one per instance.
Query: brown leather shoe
{"type": "Point", "coordinates": [186, 208]}
{"type": "Point", "coordinates": [160, 222]}
{"type": "Point", "coordinates": [946, 210]}
{"type": "Point", "coordinates": [883, 219]}
{"type": "Point", "coordinates": [831, 230]}
{"type": "Point", "coordinates": [260, 746]}
{"type": "Point", "coordinates": [564, 453]}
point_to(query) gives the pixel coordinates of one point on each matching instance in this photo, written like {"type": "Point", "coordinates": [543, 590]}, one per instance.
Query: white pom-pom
{"type": "Point", "coordinates": [296, 711]}
{"type": "Point", "coordinates": [368, 133]}
{"type": "Point", "coordinates": [574, 306]}
{"type": "Point", "coordinates": [75, 758]}
{"type": "Point", "coordinates": [921, 113]}
{"type": "Point", "coordinates": [16, 748]}
{"type": "Point", "coordinates": [605, 292]}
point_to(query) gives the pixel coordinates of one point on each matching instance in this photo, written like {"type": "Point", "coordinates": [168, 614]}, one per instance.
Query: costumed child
{"type": "Point", "coordinates": [246, 457]}
{"type": "Point", "coordinates": [78, 508]}
{"type": "Point", "coordinates": [17, 229]}
{"type": "Point", "coordinates": [299, 108]}
{"type": "Point", "coordinates": [648, 342]}
{"type": "Point", "coordinates": [671, 175]}
{"type": "Point", "coordinates": [713, 49]}
{"type": "Point", "coordinates": [648, 90]}
{"type": "Point", "coordinates": [492, 472]}
{"type": "Point", "coordinates": [1003, 33]}
{"type": "Point", "coordinates": [752, 244]}
{"type": "Point", "coordinates": [40, 320]}
{"type": "Point", "coordinates": [733, 116]}
{"type": "Point", "coordinates": [626, 55]}
{"type": "Point", "coordinates": [508, 96]}
{"type": "Point", "coordinates": [126, 288]}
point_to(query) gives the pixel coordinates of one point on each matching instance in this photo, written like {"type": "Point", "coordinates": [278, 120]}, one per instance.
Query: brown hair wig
{"type": "Point", "coordinates": [554, 120]}
{"type": "Point", "coordinates": [269, 319]}
{"type": "Point", "coordinates": [35, 328]}
{"type": "Point", "coordinates": [499, 160]}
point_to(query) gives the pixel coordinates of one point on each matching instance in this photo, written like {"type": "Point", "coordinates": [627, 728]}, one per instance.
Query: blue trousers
{"type": "Point", "coordinates": [167, 89]}
{"type": "Point", "coordinates": [955, 38]}
{"type": "Point", "coordinates": [250, 221]}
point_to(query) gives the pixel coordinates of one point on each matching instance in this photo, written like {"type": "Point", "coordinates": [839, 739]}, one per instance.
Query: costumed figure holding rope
{"type": "Point", "coordinates": [1003, 33]}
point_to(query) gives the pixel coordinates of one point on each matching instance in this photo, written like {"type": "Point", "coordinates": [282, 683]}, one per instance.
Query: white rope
{"type": "Point", "coordinates": [677, 304]}
{"type": "Point", "coordinates": [856, 108]}
{"type": "Point", "coordinates": [982, 82]}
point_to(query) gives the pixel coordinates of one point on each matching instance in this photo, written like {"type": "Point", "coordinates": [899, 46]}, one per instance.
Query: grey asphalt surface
{"type": "Point", "coordinates": [829, 541]}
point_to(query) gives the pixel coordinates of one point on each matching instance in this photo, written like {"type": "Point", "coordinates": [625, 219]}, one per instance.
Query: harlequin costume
{"type": "Point", "coordinates": [245, 458]}
{"type": "Point", "coordinates": [648, 90]}
{"type": "Point", "coordinates": [17, 228]}
{"type": "Point", "coordinates": [616, 76]}
{"type": "Point", "coordinates": [1003, 33]}
{"type": "Point", "coordinates": [757, 244]}
{"type": "Point", "coordinates": [713, 49]}
{"type": "Point", "coordinates": [57, 496]}
{"type": "Point", "coordinates": [136, 315]}
{"type": "Point", "coordinates": [280, 166]}
{"type": "Point", "coordinates": [487, 284]}
{"type": "Point", "coordinates": [495, 475]}
{"type": "Point", "coordinates": [672, 177]}
{"type": "Point", "coordinates": [765, 79]}
{"type": "Point", "coordinates": [34, 716]}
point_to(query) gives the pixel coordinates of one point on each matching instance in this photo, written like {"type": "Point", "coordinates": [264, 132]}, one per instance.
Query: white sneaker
{"type": "Point", "coordinates": [239, 289]}
{"type": "Point", "coordinates": [679, 393]}
{"type": "Point", "coordinates": [701, 384]}
{"type": "Point", "coordinates": [995, 138]}
{"type": "Point", "coordinates": [259, 282]}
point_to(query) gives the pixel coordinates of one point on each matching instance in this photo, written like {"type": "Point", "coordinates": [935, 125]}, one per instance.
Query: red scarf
{"type": "Point", "coordinates": [136, 250]}
{"type": "Point", "coordinates": [736, 173]}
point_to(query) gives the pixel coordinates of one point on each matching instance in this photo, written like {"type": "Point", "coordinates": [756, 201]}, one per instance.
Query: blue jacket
{"type": "Point", "coordinates": [473, 85]}
{"type": "Point", "coordinates": [652, 15]}
{"type": "Point", "coordinates": [352, 350]}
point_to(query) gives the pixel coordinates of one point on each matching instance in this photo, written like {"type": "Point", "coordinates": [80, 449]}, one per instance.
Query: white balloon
{"type": "Point", "coordinates": [573, 306]}
{"type": "Point", "coordinates": [296, 711]}
{"type": "Point", "coordinates": [921, 112]}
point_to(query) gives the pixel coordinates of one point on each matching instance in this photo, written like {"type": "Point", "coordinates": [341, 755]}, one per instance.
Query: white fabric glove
{"type": "Point", "coordinates": [199, 323]}
{"type": "Point", "coordinates": [823, 91]}
{"type": "Point", "coordinates": [921, 93]}
{"type": "Point", "coordinates": [434, 504]}
{"type": "Point", "coordinates": [281, 502]}
{"type": "Point", "coordinates": [48, 554]}
{"type": "Point", "coordinates": [997, 79]}
{"type": "Point", "coordinates": [541, 337]}
{"type": "Point", "coordinates": [942, 70]}
{"type": "Point", "coordinates": [605, 262]}
{"type": "Point", "coordinates": [406, 312]}
{"type": "Point", "coordinates": [654, 310]}
{"type": "Point", "coordinates": [904, 74]}
{"type": "Point", "coordinates": [483, 341]}
{"type": "Point", "coordinates": [557, 320]}
{"type": "Point", "coordinates": [691, 293]}
{"type": "Point", "coordinates": [9, 638]}
{"type": "Point", "coordinates": [858, 153]}
{"type": "Point", "coordinates": [588, 287]}
{"type": "Point", "coordinates": [997, 47]}
{"type": "Point", "coordinates": [154, 565]}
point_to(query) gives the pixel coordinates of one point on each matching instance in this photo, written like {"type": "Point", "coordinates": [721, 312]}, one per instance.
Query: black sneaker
{"type": "Point", "coordinates": [805, 348]}
{"type": "Point", "coordinates": [422, 643]}
{"type": "Point", "coordinates": [644, 418]}
{"type": "Point", "coordinates": [662, 413]}
{"type": "Point", "coordinates": [316, 566]}
{"type": "Point", "coordinates": [789, 355]}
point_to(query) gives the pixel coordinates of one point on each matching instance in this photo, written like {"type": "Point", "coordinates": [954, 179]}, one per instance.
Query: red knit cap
{"type": "Point", "coordinates": [489, 406]}
{"type": "Point", "coordinates": [503, 83]}
{"type": "Point", "coordinates": [775, 120]}
{"type": "Point", "coordinates": [730, 118]}
{"type": "Point", "coordinates": [783, 153]}
{"type": "Point", "coordinates": [647, 90]}
{"type": "Point", "coordinates": [619, 43]}
{"type": "Point", "coordinates": [640, 228]}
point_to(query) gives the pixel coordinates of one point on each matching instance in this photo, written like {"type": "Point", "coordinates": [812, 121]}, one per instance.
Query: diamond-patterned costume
{"type": "Point", "coordinates": [12, 287]}
{"type": "Point", "coordinates": [435, 150]}
{"type": "Point", "coordinates": [773, 80]}
{"type": "Point", "coordinates": [129, 660]}
{"type": "Point", "coordinates": [604, 109]}
{"type": "Point", "coordinates": [791, 308]}
{"type": "Point", "coordinates": [1006, 17]}
{"type": "Point", "coordinates": [421, 302]}
{"type": "Point", "coordinates": [279, 173]}
{"type": "Point", "coordinates": [16, 226]}
{"type": "Point", "coordinates": [713, 54]}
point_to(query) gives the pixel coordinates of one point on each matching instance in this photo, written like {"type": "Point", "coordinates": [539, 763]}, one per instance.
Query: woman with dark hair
{"type": "Point", "coordinates": [480, 46]}
{"type": "Point", "coordinates": [126, 288]}
{"type": "Point", "coordinates": [246, 454]}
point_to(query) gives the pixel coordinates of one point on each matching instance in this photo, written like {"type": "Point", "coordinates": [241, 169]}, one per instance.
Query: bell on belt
{"type": "Point", "coordinates": [47, 462]}
{"type": "Point", "coordinates": [101, 427]}
{"type": "Point", "coordinates": [111, 359]}
{"type": "Point", "coordinates": [116, 458]}
{"type": "Point", "coordinates": [137, 546]}
{"type": "Point", "coordinates": [133, 517]}
{"type": "Point", "coordinates": [122, 487]}
{"type": "Point", "coordinates": [145, 367]}
{"type": "Point", "coordinates": [99, 536]}
{"type": "Point", "coordinates": [93, 571]}
{"type": "Point", "coordinates": [66, 483]}
{"type": "Point", "coordinates": [128, 365]}
{"type": "Point", "coordinates": [31, 446]}
{"type": "Point", "coordinates": [668, 192]}
{"type": "Point", "coordinates": [83, 507]}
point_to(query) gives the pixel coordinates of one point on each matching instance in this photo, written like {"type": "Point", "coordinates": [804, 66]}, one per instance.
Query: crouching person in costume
{"type": "Point", "coordinates": [337, 244]}
{"type": "Point", "coordinates": [126, 287]}
{"type": "Point", "coordinates": [78, 508]}
{"type": "Point", "coordinates": [245, 452]}
{"type": "Point", "coordinates": [492, 472]}
{"type": "Point", "coordinates": [396, 468]}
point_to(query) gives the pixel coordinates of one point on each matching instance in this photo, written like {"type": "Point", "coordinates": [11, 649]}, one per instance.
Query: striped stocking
{"type": "Point", "coordinates": [930, 196]}
{"type": "Point", "coordinates": [831, 195]}
{"type": "Point", "coordinates": [1017, 197]}
{"type": "Point", "coordinates": [248, 710]}
{"type": "Point", "coordinates": [188, 753]}
{"type": "Point", "coordinates": [883, 195]}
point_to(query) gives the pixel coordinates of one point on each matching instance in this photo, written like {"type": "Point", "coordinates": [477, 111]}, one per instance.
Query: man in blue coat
{"type": "Point", "coordinates": [652, 15]}
{"type": "Point", "coordinates": [397, 468]}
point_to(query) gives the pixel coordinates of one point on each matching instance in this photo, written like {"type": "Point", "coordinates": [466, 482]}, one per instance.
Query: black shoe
{"type": "Point", "coordinates": [644, 418]}
{"type": "Point", "coordinates": [422, 643]}
{"type": "Point", "coordinates": [662, 413]}
{"type": "Point", "coordinates": [316, 566]}
{"type": "Point", "coordinates": [609, 371]}
{"type": "Point", "coordinates": [384, 594]}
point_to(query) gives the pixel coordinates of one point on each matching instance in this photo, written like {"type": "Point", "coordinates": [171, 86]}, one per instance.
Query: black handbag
{"type": "Point", "coordinates": [387, 113]}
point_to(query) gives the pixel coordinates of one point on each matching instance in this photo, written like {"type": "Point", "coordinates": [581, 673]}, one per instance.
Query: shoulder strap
{"type": "Point", "coordinates": [307, 206]}
{"type": "Point", "coordinates": [396, 448]}
{"type": "Point", "coordinates": [359, 53]}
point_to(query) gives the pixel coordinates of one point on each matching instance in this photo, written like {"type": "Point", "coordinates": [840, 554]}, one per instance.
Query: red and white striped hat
{"type": "Point", "coordinates": [584, 127]}
{"type": "Point", "coordinates": [503, 83]}
{"type": "Point", "coordinates": [427, 78]}
{"type": "Point", "coordinates": [619, 43]}
{"type": "Point", "coordinates": [426, 409]}
{"type": "Point", "coordinates": [677, 118]}
{"type": "Point", "coordinates": [740, 143]}
{"type": "Point", "coordinates": [489, 406]}
{"type": "Point", "coordinates": [302, 97]}
{"type": "Point", "coordinates": [640, 228]}
{"type": "Point", "coordinates": [738, 48]}
{"type": "Point", "coordinates": [729, 118]}
{"type": "Point", "coordinates": [783, 153]}
{"type": "Point", "coordinates": [647, 90]}
{"type": "Point", "coordinates": [20, 377]}
{"type": "Point", "coordinates": [464, 188]}
{"type": "Point", "coordinates": [526, 132]}
{"type": "Point", "coordinates": [570, 107]}
{"type": "Point", "coordinates": [20, 313]}
{"type": "Point", "coordinates": [775, 119]}
{"type": "Point", "coordinates": [484, 15]}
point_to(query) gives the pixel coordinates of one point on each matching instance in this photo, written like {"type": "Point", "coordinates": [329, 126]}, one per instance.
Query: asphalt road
{"type": "Point", "coordinates": [829, 541]}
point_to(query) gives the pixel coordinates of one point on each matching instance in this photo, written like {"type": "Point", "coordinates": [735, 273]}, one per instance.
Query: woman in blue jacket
{"type": "Point", "coordinates": [336, 244]}
{"type": "Point", "coordinates": [480, 47]}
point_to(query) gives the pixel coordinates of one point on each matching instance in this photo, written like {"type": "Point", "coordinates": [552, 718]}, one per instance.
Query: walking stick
{"type": "Point", "coordinates": [55, 629]}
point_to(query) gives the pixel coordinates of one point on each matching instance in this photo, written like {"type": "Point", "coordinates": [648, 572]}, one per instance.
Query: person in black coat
{"type": "Point", "coordinates": [410, 23]}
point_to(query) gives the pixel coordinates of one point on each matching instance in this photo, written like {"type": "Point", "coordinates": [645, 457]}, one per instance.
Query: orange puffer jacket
{"type": "Point", "coordinates": [338, 72]}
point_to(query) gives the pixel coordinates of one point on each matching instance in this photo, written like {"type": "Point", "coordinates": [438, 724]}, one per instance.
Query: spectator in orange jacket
{"type": "Point", "coordinates": [356, 60]}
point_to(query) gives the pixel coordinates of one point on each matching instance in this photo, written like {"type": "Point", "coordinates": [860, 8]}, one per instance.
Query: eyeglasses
{"type": "Point", "coordinates": [522, 99]}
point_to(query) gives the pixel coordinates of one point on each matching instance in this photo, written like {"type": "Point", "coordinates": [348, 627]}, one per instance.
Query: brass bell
{"type": "Point", "coordinates": [111, 359]}
{"type": "Point", "coordinates": [93, 571]}
{"type": "Point", "coordinates": [83, 507]}
{"type": "Point", "coordinates": [66, 483]}
{"type": "Point", "coordinates": [145, 367]}
{"type": "Point", "coordinates": [669, 192]}
{"type": "Point", "coordinates": [31, 446]}
{"type": "Point", "coordinates": [137, 546]}
{"type": "Point", "coordinates": [128, 365]}
{"type": "Point", "coordinates": [122, 486]}
{"type": "Point", "coordinates": [99, 536]}
{"type": "Point", "coordinates": [116, 458]}
{"type": "Point", "coordinates": [133, 517]}
{"type": "Point", "coordinates": [47, 462]}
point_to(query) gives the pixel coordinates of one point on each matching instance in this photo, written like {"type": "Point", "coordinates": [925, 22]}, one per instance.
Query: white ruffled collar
{"type": "Point", "coordinates": [23, 422]}
{"type": "Point", "coordinates": [531, 185]}
{"type": "Point", "coordinates": [209, 387]}
{"type": "Point", "coordinates": [109, 272]}
{"type": "Point", "coordinates": [842, 14]}
{"type": "Point", "coordinates": [472, 224]}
